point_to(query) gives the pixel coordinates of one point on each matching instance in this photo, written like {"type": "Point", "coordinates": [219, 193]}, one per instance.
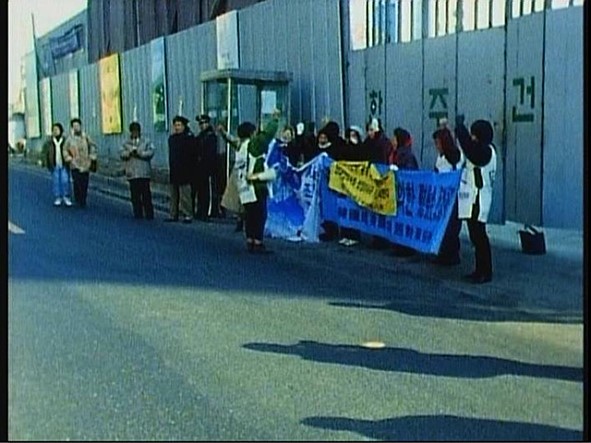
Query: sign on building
{"type": "Point", "coordinates": [227, 40]}
{"type": "Point", "coordinates": [110, 94]}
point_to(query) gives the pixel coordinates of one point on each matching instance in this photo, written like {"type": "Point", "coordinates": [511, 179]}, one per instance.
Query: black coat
{"type": "Point", "coordinates": [182, 157]}
{"type": "Point", "coordinates": [405, 158]}
{"type": "Point", "coordinates": [378, 149]}
{"type": "Point", "coordinates": [207, 148]}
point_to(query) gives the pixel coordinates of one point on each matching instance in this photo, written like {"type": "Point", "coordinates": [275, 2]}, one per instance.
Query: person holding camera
{"type": "Point", "coordinates": [136, 153]}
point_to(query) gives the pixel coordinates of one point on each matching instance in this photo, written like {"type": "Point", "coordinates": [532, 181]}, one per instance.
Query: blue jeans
{"type": "Point", "coordinates": [60, 182]}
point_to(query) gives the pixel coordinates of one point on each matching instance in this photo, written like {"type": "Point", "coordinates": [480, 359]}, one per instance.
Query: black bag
{"type": "Point", "coordinates": [532, 240]}
{"type": "Point", "coordinates": [93, 166]}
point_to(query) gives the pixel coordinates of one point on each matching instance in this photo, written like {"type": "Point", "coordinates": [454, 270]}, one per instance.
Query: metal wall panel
{"type": "Point", "coordinates": [310, 50]}
{"type": "Point", "coordinates": [135, 77]}
{"type": "Point", "coordinates": [563, 120]}
{"type": "Point", "coordinates": [525, 46]}
{"type": "Point", "coordinates": [439, 91]}
{"type": "Point", "coordinates": [90, 104]}
{"type": "Point", "coordinates": [481, 82]}
{"type": "Point", "coordinates": [357, 114]}
{"type": "Point", "coordinates": [60, 98]}
{"type": "Point", "coordinates": [403, 100]}
{"type": "Point", "coordinates": [375, 84]}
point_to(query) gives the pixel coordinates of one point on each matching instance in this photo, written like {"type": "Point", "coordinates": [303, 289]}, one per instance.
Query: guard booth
{"type": "Point", "coordinates": [234, 96]}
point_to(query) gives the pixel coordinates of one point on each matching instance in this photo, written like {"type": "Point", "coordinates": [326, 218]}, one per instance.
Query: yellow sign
{"type": "Point", "coordinates": [363, 183]}
{"type": "Point", "coordinates": [110, 94]}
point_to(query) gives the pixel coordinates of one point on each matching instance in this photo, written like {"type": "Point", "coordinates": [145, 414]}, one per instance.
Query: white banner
{"type": "Point", "coordinates": [227, 40]}
{"type": "Point", "coordinates": [74, 95]}
{"type": "Point", "coordinates": [46, 105]}
{"type": "Point", "coordinates": [33, 126]}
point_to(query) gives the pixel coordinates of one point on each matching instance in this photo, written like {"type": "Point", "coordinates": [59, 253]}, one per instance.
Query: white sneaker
{"type": "Point", "coordinates": [57, 202]}
{"type": "Point", "coordinates": [67, 201]}
{"type": "Point", "coordinates": [343, 241]}
{"type": "Point", "coordinates": [351, 242]}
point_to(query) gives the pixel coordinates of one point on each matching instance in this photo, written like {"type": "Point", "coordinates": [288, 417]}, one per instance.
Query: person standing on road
{"type": "Point", "coordinates": [60, 171]}
{"type": "Point", "coordinates": [449, 158]}
{"type": "Point", "coordinates": [379, 150]}
{"type": "Point", "coordinates": [403, 158]}
{"type": "Point", "coordinates": [252, 183]}
{"type": "Point", "coordinates": [231, 197]}
{"type": "Point", "coordinates": [136, 153]}
{"type": "Point", "coordinates": [80, 153]}
{"type": "Point", "coordinates": [207, 153]}
{"type": "Point", "coordinates": [475, 193]}
{"type": "Point", "coordinates": [181, 147]}
{"type": "Point", "coordinates": [353, 152]}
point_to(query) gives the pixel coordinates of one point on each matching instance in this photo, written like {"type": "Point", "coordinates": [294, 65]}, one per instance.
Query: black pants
{"type": "Point", "coordinates": [331, 231]}
{"type": "Point", "coordinates": [204, 196]}
{"type": "Point", "coordinates": [256, 217]}
{"type": "Point", "coordinates": [80, 184]}
{"type": "Point", "coordinates": [350, 233]}
{"type": "Point", "coordinates": [450, 245]}
{"type": "Point", "coordinates": [479, 239]}
{"type": "Point", "coordinates": [141, 198]}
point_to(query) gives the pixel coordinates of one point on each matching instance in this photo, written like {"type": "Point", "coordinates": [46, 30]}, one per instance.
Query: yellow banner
{"type": "Point", "coordinates": [363, 183]}
{"type": "Point", "coordinates": [110, 94]}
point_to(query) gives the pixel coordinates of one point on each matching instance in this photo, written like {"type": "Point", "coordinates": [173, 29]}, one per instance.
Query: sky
{"type": "Point", "coordinates": [48, 15]}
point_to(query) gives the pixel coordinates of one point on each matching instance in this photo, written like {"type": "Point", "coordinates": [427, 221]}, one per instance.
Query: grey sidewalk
{"type": "Point", "coordinates": [550, 284]}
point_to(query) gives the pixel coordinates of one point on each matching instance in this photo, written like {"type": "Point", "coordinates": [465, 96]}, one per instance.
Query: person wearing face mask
{"type": "Point", "coordinates": [379, 148]}
{"type": "Point", "coordinates": [136, 153]}
{"type": "Point", "coordinates": [333, 145]}
{"type": "Point", "coordinates": [288, 145]}
{"type": "Point", "coordinates": [60, 171]}
{"type": "Point", "coordinates": [80, 153]}
{"type": "Point", "coordinates": [353, 152]}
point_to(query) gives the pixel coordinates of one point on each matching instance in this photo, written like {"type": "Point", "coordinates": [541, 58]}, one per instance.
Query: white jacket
{"type": "Point", "coordinates": [468, 192]}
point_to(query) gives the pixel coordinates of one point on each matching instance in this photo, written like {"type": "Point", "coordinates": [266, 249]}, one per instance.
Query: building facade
{"type": "Point", "coordinates": [408, 63]}
{"type": "Point", "coordinates": [121, 25]}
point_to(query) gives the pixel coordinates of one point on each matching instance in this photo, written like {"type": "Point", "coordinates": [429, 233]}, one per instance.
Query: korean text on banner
{"type": "Point", "coordinates": [294, 203]}
{"type": "Point", "coordinates": [363, 183]}
{"type": "Point", "coordinates": [110, 94]}
{"type": "Point", "coordinates": [424, 204]}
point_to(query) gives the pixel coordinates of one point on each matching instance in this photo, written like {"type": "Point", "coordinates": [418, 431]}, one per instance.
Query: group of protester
{"type": "Point", "coordinates": [192, 171]}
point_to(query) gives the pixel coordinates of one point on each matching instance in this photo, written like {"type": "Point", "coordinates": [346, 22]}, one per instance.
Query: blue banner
{"type": "Point", "coordinates": [68, 42]}
{"type": "Point", "coordinates": [300, 200]}
{"type": "Point", "coordinates": [293, 206]}
{"type": "Point", "coordinates": [424, 200]}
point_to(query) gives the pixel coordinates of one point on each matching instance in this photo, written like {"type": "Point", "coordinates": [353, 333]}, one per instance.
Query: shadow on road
{"type": "Point", "coordinates": [415, 362]}
{"type": "Point", "coordinates": [475, 310]}
{"type": "Point", "coordinates": [444, 428]}
{"type": "Point", "coordinates": [103, 243]}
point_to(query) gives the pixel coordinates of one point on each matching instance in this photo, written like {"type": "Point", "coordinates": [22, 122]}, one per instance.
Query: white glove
{"type": "Point", "coordinates": [299, 128]}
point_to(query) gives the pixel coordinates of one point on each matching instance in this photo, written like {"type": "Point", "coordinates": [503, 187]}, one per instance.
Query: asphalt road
{"type": "Point", "coordinates": [122, 329]}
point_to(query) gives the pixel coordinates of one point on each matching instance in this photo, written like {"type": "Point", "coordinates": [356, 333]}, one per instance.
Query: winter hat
{"type": "Point", "coordinates": [356, 129]}
{"type": "Point", "coordinates": [374, 124]}
{"type": "Point", "coordinates": [180, 118]}
{"type": "Point", "coordinates": [246, 129]}
{"type": "Point", "coordinates": [483, 131]}
{"type": "Point", "coordinates": [402, 137]}
{"type": "Point", "coordinates": [203, 118]}
{"type": "Point", "coordinates": [332, 130]}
